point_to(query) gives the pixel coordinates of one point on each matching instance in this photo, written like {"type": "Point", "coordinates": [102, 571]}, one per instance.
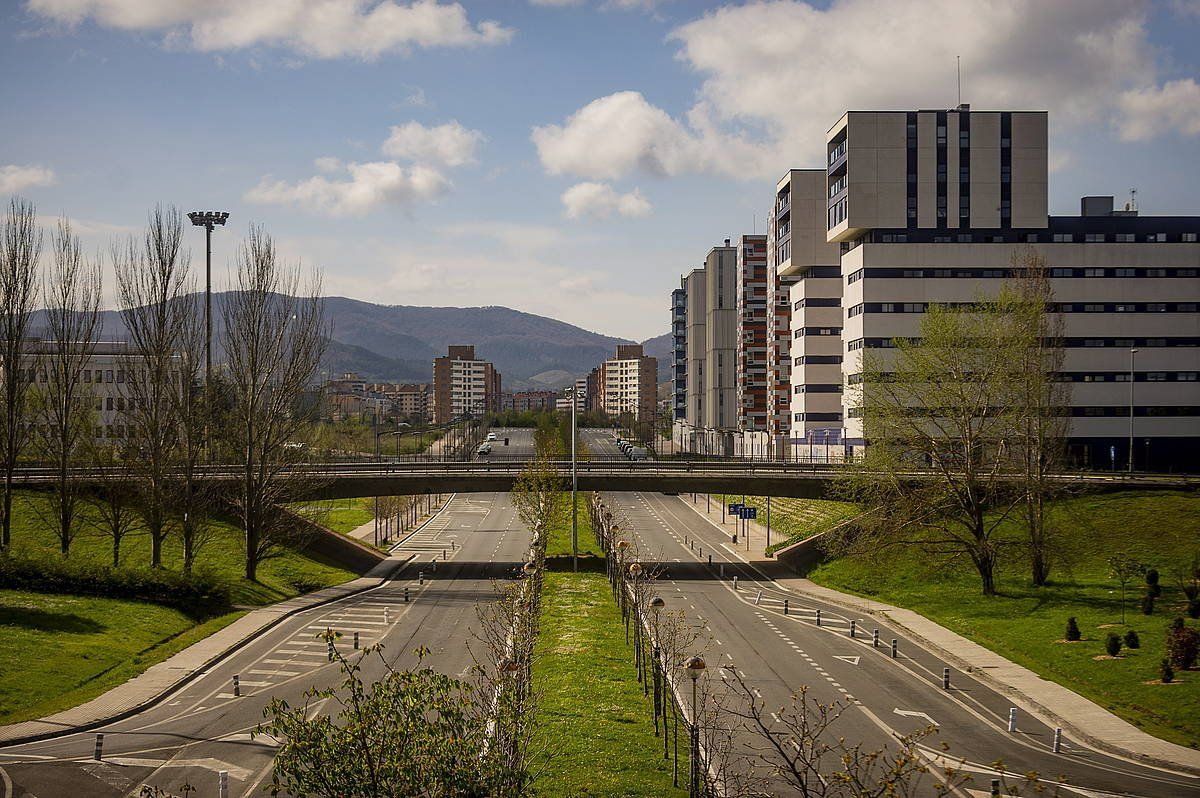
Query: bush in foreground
{"type": "Point", "coordinates": [198, 595]}
{"type": "Point", "coordinates": [1073, 633]}
{"type": "Point", "coordinates": [1112, 644]}
{"type": "Point", "coordinates": [1132, 640]}
{"type": "Point", "coordinates": [1183, 644]}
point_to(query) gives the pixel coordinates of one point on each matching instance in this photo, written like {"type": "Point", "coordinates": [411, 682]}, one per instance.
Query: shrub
{"type": "Point", "coordinates": [199, 594]}
{"type": "Point", "coordinates": [1148, 603]}
{"type": "Point", "coordinates": [1132, 640]}
{"type": "Point", "coordinates": [1183, 644]}
{"type": "Point", "coordinates": [1193, 609]}
{"type": "Point", "coordinates": [1112, 645]}
{"type": "Point", "coordinates": [1153, 588]}
{"type": "Point", "coordinates": [1166, 672]}
{"type": "Point", "coordinates": [1073, 629]}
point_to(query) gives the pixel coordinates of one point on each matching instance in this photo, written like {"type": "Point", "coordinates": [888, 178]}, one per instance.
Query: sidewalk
{"type": "Point", "coordinates": [366, 532]}
{"type": "Point", "coordinates": [1052, 703]}
{"type": "Point", "coordinates": [158, 681]}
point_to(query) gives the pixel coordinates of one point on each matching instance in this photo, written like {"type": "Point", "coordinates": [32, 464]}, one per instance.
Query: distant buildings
{"type": "Point", "coordinates": [913, 208]}
{"type": "Point", "coordinates": [350, 396]}
{"type": "Point", "coordinates": [524, 401]}
{"type": "Point", "coordinates": [463, 385]}
{"type": "Point", "coordinates": [628, 383]}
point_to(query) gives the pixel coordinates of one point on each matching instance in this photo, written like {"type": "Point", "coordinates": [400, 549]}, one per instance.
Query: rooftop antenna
{"type": "Point", "coordinates": [1132, 204]}
{"type": "Point", "coordinates": [958, 70]}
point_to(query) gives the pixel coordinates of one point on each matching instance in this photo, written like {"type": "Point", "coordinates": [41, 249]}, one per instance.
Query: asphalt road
{"type": "Point", "coordinates": [778, 654]}
{"type": "Point", "coordinates": [203, 728]}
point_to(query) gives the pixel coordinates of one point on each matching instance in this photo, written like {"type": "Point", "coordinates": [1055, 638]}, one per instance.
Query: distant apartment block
{"type": "Point", "coordinates": [524, 401]}
{"type": "Point", "coordinates": [628, 383]}
{"type": "Point", "coordinates": [695, 345]}
{"type": "Point", "coordinates": [679, 351]}
{"type": "Point", "coordinates": [754, 293]}
{"type": "Point", "coordinates": [720, 339]}
{"type": "Point", "coordinates": [351, 396]}
{"type": "Point", "coordinates": [463, 385]}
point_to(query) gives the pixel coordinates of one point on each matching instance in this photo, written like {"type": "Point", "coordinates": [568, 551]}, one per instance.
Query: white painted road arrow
{"type": "Point", "coordinates": [913, 714]}
{"type": "Point", "coordinates": [851, 660]}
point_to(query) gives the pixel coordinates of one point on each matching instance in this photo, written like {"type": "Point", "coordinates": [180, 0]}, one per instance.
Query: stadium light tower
{"type": "Point", "coordinates": [207, 220]}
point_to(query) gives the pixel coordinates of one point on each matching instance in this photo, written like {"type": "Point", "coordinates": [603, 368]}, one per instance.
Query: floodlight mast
{"type": "Point", "coordinates": [207, 219]}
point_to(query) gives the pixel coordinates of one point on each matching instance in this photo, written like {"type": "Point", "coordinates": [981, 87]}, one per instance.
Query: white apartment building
{"type": "Point", "coordinates": [628, 383]}
{"type": "Point", "coordinates": [463, 385]}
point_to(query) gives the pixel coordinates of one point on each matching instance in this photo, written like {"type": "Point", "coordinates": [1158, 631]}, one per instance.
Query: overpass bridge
{"type": "Point", "coordinates": [757, 478]}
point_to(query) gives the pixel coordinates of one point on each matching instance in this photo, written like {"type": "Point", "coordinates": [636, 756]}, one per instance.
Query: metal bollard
{"type": "Point", "coordinates": [893, 648]}
{"type": "Point", "coordinates": [945, 678]}
{"type": "Point", "coordinates": [995, 788]}
{"type": "Point", "coordinates": [758, 599]}
{"type": "Point", "coordinates": [237, 685]}
{"type": "Point", "coordinates": [1058, 741]}
{"type": "Point", "coordinates": [818, 617]}
{"type": "Point", "coordinates": [875, 639]}
{"type": "Point", "coordinates": [356, 641]}
{"type": "Point", "coordinates": [405, 601]}
{"type": "Point", "coordinates": [735, 583]}
{"type": "Point", "coordinates": [99, 747]}
{"type": "Point", "coordinates": [452, 546]}
{"type": "Point", "coordinates": [1012, 719]}
{"type": "Point", "coordinates": [722, 569]}
{"type": "Point", "coordinates": [785, 606]}
{"type": "Point", "coordinates": [222, 784]}
{"type": "Point", "coordinates": [852, 627]}
{"type": "Point", "coordinates": [420, 577]}
{"type": "Point", "coordinates": [385, 609]}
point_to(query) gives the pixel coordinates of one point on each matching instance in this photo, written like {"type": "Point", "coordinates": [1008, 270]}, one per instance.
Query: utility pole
{"type": "Point", "coordinates": [207, 219]}
{"type": "Point", "coordinates": [574, 487]}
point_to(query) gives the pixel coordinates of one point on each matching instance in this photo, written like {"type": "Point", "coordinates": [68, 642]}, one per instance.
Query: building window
{"type": "Point", "coordinates": [1062, 238]}
{"type": "Point", "coordinates": [1125, 308]}
{"type": "Point", "coordinates": [1189, 238]}
{"type": "Point", "coordinates": [887, 307]}
{"type": "Point", "coordinates": [1124, 238]}
{"type": "Point", "coordinates": [1156, 376]}
{"type": "Point", "coordinates": [1186, 376]}
{"type": "Point", "coordinates": [1094, 238]}
{"type": "Point", "coordinates": [1157, 238]}
{"type": "Point", "coordinates": [1156, 307]}
{"type": "Point", "coordinates": [1093, 272]}
{"type": "Point", "coordinates": [1125, 272]}
{"type": "Point", "coordinates": [1093, 308]}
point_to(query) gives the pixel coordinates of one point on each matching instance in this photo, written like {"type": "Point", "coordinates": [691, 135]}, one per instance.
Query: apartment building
{"type": "Point", "coordinates": [524, 401]}
{"type": "Point", "coordinates": [754, 292]}
{"type": "Point", "coordinates": [628, 383]}
{"type": "Point", "coordinates": [696, 309]}
{"type": "Point", "coordinates": [720, 339]}
{"type": "Point", "coordinates": [463, 385]}
{"type": "Point", "coordinates": [937, 207]}
{"type": "Point", "coordinates": [679, 351]}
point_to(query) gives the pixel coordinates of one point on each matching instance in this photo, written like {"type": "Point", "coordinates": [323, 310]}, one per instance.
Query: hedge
{"type": "Point", "coordinates": [199, 595]}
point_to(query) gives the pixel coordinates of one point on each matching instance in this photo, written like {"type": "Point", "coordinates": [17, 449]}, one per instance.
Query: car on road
{"type": "Point", "coordinates": [491, 436]}
{"type": "Point", "coordinates": [638, 453]}
{"type": "Point", "coordinates": [484, 449]}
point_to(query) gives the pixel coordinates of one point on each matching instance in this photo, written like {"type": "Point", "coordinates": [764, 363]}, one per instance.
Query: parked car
{"type": "Point", "coordinates": [638, 453]}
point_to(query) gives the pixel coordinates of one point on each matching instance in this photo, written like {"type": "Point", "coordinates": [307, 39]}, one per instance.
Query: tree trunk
{"type": "Point", "coordinates": [156, 541]}
{"type": "Point", "coordinates": [6, 521]}
{"type": "Point", "coordinates": [116, 551]}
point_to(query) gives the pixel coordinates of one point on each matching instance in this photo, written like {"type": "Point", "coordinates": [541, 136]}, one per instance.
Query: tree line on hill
{"type": "Point", "coordinates": [174, 421]}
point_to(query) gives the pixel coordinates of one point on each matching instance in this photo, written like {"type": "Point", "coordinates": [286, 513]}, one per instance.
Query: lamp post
{"type": "Point", "coordinates": [695, 666]}
{"type": "Point", "coordinates": [1132, 354]}
{"type": "Point", "coordinates": [207, 220]}
{"type": "Point", "coordinates": [656, 605]}
{"type": "Point", "coordinates": [574, 487]}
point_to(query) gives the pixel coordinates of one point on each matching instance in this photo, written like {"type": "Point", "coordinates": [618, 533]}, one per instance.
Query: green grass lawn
{"type": "Point", "coordinates": [60, 651]}
{"type": "Point", "coordinates": [344, 515]}
{"type": "Point", "coordinates": [794, 519]}
{"type": "Point", "coordinates": [558, 544]}
{"type": "Point", "coordinates": [98, 643]}
{"type": "Point", "coordinates": [1026, 624]}
{"type": "Point", "coordinates": [595, 732]}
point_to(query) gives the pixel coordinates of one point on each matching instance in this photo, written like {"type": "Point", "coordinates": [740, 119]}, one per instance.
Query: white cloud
{"type": "Point", "coordinates": [600, 200]}
{"type": "Point", "coordinates": [327, 164]}
{"type": "Point", "coordinates": [450, 144]}
{"type": "Point", "coordinates": [623, 133]}
{"type": "Point", "coordinates": [315, 28]}
{"type": "Point", "coordinates": [14, 177]}
{"type": "Point", "coordinates": [1152, 111]}
{"type": "Point", "coordinates": [368, 186]}
{"type": "Point", "coordinates": [777, 74]}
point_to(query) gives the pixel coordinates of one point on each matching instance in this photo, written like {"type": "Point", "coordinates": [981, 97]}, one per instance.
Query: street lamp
{"type": "Point", "coordinates": [207, 220]}
{"type": "Point", "coordinates": [1132, 354]}
{"type": "Point", "coordinates": [694, 667]}
{"type": "Point", "coordinates": [656, 605]}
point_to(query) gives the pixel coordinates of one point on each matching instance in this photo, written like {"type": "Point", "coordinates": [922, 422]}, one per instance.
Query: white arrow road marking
{"type": "Point", "coordinates": [851, 660]}
{"type": "Point", "coordinates": [207, 763]}
{"type": "Point", "coordinates": [913, 714]}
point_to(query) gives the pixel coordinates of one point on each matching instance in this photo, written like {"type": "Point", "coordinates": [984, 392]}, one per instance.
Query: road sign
{"type": "Point", "coordinates": [735, 508]}
{"type": "Point", "coordinates": [750, 512]}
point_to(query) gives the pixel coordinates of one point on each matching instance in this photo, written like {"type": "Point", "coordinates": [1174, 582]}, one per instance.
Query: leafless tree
{"type": "Point", "coordinates": [20, 250]}
{"type": "Point", "coordinates": [152, 283]}
{"type": "Point", "coordinates": [274, 338]}
{"type": "Point", "coordinates": [64, 402]}
{"type": "Point", "coordinates": [114, 498]}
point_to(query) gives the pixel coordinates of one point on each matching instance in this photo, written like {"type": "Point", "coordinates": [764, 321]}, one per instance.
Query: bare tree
{"type": "Point", "coordinates": [192, 498]}
{"type": "Point", "coordinates": [64, 402]}
{"type": "Point", "coordinates": [152, 283]}
{"type": "Point", "coordinates": [20, 249]}
{"type": "Point", "coordinates": [114, 499]}
{"type": "Point", "coordinates": [274, 339]}
{"type": "Point", "coordinates": [1041, 422]}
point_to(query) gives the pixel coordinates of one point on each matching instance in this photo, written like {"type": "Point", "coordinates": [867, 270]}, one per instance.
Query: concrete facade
{"type": "Point", "coordinates": [720, 339]}
{"type": "Point", "coordinates": [463, 385]}
{"type": "Point", "coordinates": [755, 291]}
{"type": "Point", "coordinates": [628, 384]}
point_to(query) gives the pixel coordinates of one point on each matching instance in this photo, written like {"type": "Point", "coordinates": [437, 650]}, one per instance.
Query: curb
{"type": "Point", "coordinates": [1033, 706]}
{"type": "Point", "coordinates": [192, 675]}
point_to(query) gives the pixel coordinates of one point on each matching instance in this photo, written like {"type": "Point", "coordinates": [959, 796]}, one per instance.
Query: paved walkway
{"type": "Point", "coordinates": [1051, 702]}
{"type": "Point", "coordinates": [157, 681]}
{"type": "Point", "coordinates": [366, 532]}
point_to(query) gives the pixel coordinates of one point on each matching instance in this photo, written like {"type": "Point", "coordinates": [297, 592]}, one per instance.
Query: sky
{"type": "Point", "coordinates": [570, 158]}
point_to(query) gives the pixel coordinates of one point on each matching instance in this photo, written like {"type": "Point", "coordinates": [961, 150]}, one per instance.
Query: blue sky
{"type": "Point", "coordinates": [566, 158]}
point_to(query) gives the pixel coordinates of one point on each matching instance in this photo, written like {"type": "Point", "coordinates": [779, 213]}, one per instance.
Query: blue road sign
{"type": "Point", "coordinates": [735, 508]}
{"type": "Point", "coordinates": [750, 512]}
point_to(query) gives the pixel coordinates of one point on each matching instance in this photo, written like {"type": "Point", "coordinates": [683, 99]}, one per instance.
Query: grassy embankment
{"type": "Point", "coordinates": [1026, 624]}
{"type": "Point", "coordinates": [595, 731]}
{"type": "Point", "coordinates": [793, 520]}
{"type": "Point", "coordinates": [62, 650]}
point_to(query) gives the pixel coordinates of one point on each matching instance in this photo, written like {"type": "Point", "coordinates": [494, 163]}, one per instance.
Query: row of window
{"type": "Point", "coordinates": [1103, 376]}
{"type": "Point", "coordinates": [818, 302]}
{"type": "Point", "coordinates": [1103, 411]}
{"type": "Point", "coordinates": [993, 273]}
{"type": "Point", "coordinates": [803, 331]}
{"type": "Point", "coordinates": [1069, 343]}
{"type": "Point", "coordinates": [817, 388]}
{"type": "Point", "coordinates": [1029, 238]}
{"type": "Point", "coordinates": [1064, 307]}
